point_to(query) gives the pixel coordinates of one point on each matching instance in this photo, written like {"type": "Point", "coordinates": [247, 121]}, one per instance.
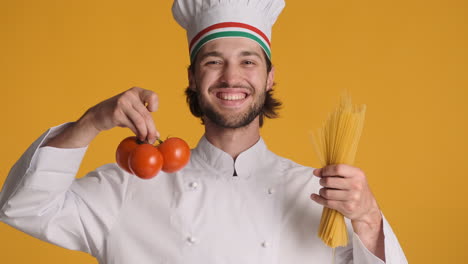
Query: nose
{"type": "Point", "coordinates": [230, 75]}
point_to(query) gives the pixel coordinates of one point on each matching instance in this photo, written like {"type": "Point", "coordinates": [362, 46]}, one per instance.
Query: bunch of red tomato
{"type": "Point", "coordinates": [146, 160]}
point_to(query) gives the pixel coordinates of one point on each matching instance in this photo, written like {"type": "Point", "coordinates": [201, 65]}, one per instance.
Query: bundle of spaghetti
{"type": "Point", "coordinates": [336, 143]}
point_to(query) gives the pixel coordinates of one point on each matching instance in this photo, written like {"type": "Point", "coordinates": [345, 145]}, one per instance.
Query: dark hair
{"type": "Point", "coordinates": [270, 107]}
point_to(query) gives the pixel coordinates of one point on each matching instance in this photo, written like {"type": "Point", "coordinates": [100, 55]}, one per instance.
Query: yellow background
{"type": "Point", "coordinates": [407, 60]}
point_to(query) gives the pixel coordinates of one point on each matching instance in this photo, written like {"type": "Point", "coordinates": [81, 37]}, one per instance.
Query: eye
{"type": "Point", "coordinates": [249, 62]}
{"type": "Point", "coordinates": [213, 62]}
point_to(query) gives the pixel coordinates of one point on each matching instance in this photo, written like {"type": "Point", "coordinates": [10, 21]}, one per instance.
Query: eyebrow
{"type": "Point", "coordinates": [210, 54]}
{"type": "Point", "coordinates": [251, 53]}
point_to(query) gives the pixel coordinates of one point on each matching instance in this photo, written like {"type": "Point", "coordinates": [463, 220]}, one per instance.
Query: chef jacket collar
{"type": "Point", "coordinates": [245, 164]}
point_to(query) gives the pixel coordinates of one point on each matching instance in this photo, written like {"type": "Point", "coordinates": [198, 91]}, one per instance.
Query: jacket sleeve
{"type": "Point", "coordinates": [393, 252]}
{"type": "Point", "coordinates": [42, 197]}
{"type": "Point", "coordinates": [356, 252]}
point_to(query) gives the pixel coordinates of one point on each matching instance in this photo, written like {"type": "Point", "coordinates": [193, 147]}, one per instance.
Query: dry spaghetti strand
{"type": "Point", "coordinates": [336, 143]}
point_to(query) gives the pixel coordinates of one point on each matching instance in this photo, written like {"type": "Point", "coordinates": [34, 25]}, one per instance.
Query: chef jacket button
{"type": "Point", "coordinates": [193, 185]}
{"type": "Point", "coordinates": [265, 244]}
{"type": "Point", "coordinates": [271, 191]}
{"type": "Point", "coordinates": [191, 240]}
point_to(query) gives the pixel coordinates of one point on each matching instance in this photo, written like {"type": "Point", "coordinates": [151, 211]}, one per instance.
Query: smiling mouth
{"type": "Point", "coordinates": [231, 96]}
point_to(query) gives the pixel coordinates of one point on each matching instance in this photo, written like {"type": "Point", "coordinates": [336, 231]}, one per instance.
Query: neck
{"type": "Point", "coordinates": [233, 140]}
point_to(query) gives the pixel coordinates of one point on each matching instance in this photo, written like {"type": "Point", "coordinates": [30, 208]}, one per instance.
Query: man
{"type": "Point", "coordinates": [235, 202]}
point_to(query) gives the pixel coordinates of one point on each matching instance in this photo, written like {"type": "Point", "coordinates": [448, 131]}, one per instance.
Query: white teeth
{"type": "Point", "coordinates": [233, 97]}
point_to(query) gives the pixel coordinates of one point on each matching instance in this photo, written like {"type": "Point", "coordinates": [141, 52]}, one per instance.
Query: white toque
{"type": "Point", "coordinates": [206, 20]}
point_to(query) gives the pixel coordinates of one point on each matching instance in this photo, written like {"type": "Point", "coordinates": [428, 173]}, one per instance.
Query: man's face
{"type": "Point", "coordinates": [231, 79]}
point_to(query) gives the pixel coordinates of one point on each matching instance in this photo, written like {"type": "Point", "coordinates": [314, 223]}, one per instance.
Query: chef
{"type": "Point", "coordinates": [235, 202]}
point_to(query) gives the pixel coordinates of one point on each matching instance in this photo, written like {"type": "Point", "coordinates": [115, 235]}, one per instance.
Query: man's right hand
{"type": "Point", "coordinates": [129, 109]}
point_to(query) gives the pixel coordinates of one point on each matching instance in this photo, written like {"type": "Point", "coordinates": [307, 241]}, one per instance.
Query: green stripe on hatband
{"type": "Point", "coordinates": [224, 34]}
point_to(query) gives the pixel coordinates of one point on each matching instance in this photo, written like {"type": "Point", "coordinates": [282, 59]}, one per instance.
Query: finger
{"type": "Point", "coordinates": [122, 119]}
{"type": "Point", "coordinates": [335, 183]}
{"type": "Point", "coordinates": [341, 170]}
{"type": "Point", "coordinates": [332, 204]}
{"type": "Point", "coordinates": [149, 99]}
{"type": "Point", "coordinates": [137, 97]}
{"type": "Point", "coordinates": [129, 124]}
{"type": "Point", "coordinates": [317, 172]}
{"type": "Point", "coordinates": [152, 132]}
{"type": "Point", "coordinates": [138, 122]}
{"type": "Point", "coordinates": [334, 194]}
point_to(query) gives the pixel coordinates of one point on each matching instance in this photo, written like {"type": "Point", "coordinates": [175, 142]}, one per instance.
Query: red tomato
{"type": "Point", "coordinates": [123, 152]}
{"type": "Point", "coordinates": [176, 153]}
{"type": "Point", "coordinates": [145, 161]}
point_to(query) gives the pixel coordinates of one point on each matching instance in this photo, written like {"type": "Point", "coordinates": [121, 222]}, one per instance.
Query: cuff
{"type": "Point", "coordinates": [54, 168]}
{"type": "Point", "coordinates": [393, 252]}
{"type": "Point", "coordinates": [51, 168]}
{"type": "Point", "coordinates": [361, 254]}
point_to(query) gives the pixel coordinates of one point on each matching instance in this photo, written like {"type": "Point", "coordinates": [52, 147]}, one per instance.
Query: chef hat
{"type": "Point", "coordinates": [206, 20]}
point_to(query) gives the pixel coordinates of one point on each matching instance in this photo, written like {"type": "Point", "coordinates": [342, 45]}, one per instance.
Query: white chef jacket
{"type": "Point", "coordinates": [201, 214]}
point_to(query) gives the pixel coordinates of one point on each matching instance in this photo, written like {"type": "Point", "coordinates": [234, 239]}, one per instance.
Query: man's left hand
{"type": "Point", "coordinates": [346, 190]}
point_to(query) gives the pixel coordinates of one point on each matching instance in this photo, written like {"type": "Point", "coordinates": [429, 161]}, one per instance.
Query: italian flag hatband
{"type": "Point", "coordinates": [226, 30]}
{"type": "Point", "coordinates": [207, 20]}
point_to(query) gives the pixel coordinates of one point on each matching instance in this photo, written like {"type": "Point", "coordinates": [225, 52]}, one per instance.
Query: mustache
{"type": "Point", "coordinates": [226, 85]}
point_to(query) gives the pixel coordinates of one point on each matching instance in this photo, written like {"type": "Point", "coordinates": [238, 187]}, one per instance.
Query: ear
{"type": "Point", "coordinates": [191, 79]}
{"type": "Point", "coordinates": [270, 79]}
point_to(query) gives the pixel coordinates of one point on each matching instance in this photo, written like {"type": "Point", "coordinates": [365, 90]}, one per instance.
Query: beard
{"type": "Point", "coordinates": [233, 120]}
